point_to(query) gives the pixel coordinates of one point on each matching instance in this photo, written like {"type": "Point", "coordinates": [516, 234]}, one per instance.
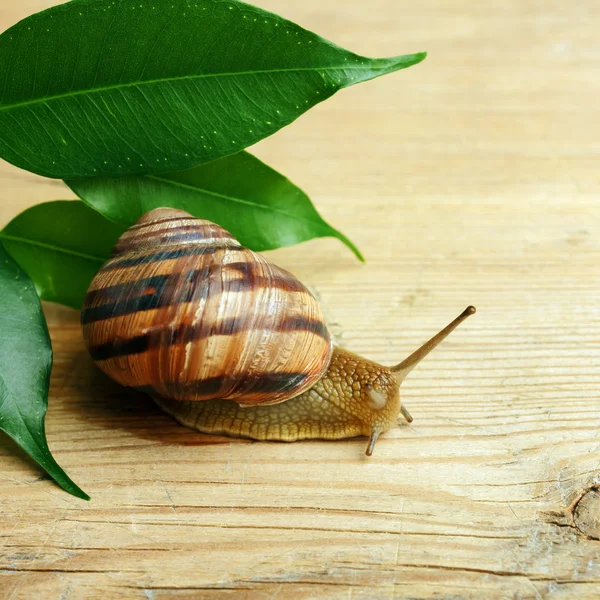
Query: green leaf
{"type": "Point", "coordinates": [259, 206]}
{"type": "Point", "coordinates": [61, 245]}
{"type": "Point", "coordinates": [25, 365]}
{"type": "Point", "coordinates": [110, 88]}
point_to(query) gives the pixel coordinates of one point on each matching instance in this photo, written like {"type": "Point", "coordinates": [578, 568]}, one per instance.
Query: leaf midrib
{"type": "Point", "coordinates": [30, 242]}
{"type": "Point", "coordinates": [181, 78]}
{"type": "Point", "coordinates": [241, 201]}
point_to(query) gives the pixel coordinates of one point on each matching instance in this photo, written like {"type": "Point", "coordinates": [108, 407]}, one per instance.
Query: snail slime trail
{"type": "Point", "coordinates": [228, 343]}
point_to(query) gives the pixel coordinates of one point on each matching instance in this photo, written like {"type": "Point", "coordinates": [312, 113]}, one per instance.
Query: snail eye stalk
{"type": "Point", "coordinates": [408, 364]}
{"type": "Point", "coordinates": [372, 440]}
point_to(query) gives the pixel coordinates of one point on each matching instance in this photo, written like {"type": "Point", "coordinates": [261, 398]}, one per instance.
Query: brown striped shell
{"type": "Point", "coordinates": [183, 311]}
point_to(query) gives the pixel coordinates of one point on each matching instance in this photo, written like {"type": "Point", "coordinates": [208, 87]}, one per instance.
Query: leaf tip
{"type": "Point", "coordinates": [407, 60]}
{"type": "Point", "coordinates": [350, 245]}
{"type": "Point", "coordinates": [358, 254]}
{"type": "Point", "coordinates": [79, 493]}
{"type": "Point", "coordinates": [376, 67]}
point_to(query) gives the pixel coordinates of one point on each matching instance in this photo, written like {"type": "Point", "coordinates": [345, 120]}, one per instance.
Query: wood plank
{"type": "Point", "coordinates": [472, 178]}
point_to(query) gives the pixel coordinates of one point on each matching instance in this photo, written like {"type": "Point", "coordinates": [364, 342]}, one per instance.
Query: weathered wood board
{"type": "Point", "coordinates": [472, 178]}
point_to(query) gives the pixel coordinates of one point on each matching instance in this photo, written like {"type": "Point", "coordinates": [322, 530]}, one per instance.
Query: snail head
{"type": "Point", "coordinates": [385, 392]}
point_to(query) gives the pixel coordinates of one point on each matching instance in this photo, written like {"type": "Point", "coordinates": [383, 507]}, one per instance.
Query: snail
{"type": "Point", "coordinates": [228, 343]}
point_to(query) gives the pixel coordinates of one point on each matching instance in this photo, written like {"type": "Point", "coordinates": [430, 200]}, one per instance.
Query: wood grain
{"type": "Point", "coordinates": [472, 178]}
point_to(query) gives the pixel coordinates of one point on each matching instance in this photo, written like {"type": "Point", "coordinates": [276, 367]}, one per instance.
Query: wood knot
{"type": "Point", "coordinates": [586, 513]}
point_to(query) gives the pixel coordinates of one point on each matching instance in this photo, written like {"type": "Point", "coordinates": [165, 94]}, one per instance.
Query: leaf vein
{"type": "Point", "coordinates": [325, 227]}
{"type": "Point", "coordinates": [118, 86]}
{"type": "Point", "coordinates": [47, 246]}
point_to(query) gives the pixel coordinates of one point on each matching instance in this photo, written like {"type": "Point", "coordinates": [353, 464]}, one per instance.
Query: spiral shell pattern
{"type": "Point", "coordinates": [183, 311]}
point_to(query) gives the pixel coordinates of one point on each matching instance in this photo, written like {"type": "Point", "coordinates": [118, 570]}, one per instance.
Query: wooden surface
{"type": "Point", "coordinates": [472, 178]}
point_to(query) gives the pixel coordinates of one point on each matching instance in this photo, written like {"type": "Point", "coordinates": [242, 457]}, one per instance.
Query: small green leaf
{"type": "Point", "coordinates": [60, 245]}
{"type": "Point", "coordinates": [103, 88]}
{"type": "Point", "coordinates": [258, 205]}
{"type": "Point", "coordinates": [25, 365]}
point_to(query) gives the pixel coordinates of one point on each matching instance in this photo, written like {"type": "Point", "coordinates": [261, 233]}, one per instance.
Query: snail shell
{"type": "Point", "coordinates": [183, 311]}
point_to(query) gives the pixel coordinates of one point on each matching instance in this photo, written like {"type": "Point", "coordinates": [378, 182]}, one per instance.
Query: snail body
{"type": "Point", "coordinates": [332, 409]}
{"type": "Point", "coordinates": [229, 343]}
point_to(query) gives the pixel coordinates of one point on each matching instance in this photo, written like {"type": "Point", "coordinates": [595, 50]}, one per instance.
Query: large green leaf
{"type": "Point", "coordinates": [110, 88]}
{"type": "Point", "coordinates": [25, 365]}
{"type": "Point", "coordinates": [61, 245]}
{"type": "Point", "coordinates": [262, 208]}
